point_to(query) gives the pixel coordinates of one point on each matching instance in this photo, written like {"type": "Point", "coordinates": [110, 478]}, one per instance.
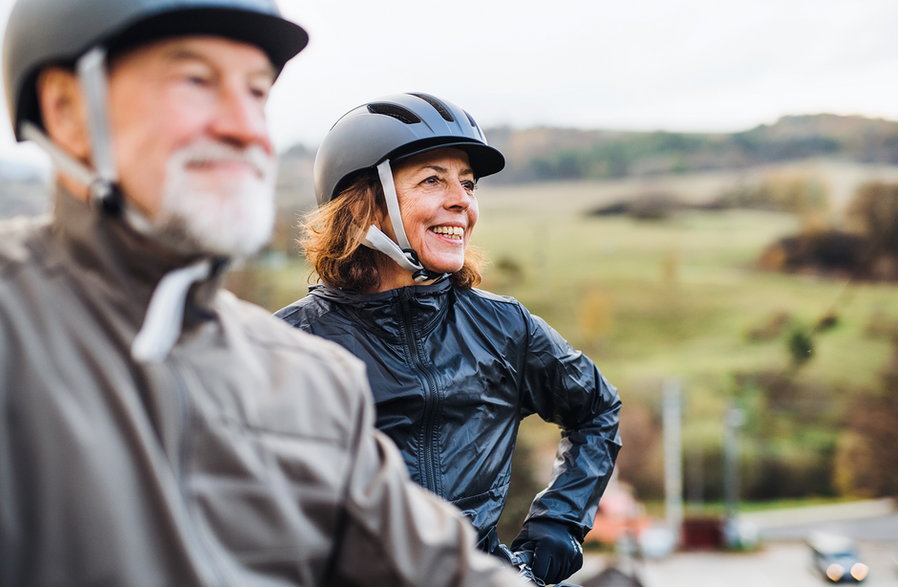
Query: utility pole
{"type": "Point", "coordinates": [733, 421]}
{"type": "Point", "coordinates": [673, 460]}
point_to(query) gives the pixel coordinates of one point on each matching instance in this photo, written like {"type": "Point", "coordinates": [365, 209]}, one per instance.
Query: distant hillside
{"type": "Point", "coordinates": [542, 154]}
{"type": "Point", "coordinates": [295, 190]}
{"type": "Point", "coordinates": [24, 190]}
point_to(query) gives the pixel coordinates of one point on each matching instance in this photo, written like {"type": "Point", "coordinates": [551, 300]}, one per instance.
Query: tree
{"type": "Point", "coordinates": [866, 462]}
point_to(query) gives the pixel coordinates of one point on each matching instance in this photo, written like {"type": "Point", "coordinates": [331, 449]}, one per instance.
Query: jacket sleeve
{"type": "Point", "coordinates": [396, 533]}
{"type": "Point", "coordinates": [565, 387]}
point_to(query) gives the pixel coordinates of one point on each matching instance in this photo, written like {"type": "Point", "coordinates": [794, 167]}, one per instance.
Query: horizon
{"type": "Point", "coordinates": [33, 157]}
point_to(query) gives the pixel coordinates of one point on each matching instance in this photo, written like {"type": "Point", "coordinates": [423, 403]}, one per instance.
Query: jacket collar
{"type": "Point", "coordinates": [388, 312]}
{"type": "Point", "coordinates": [117, 261]}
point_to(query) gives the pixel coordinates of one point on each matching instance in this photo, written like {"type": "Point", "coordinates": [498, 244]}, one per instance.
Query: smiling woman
{"type": "Point", "coordinates": [453, 369]}
{"type": "Point", "coordinates": [388, 195]}
{"type": "Point", "coordinates": [438, 209]}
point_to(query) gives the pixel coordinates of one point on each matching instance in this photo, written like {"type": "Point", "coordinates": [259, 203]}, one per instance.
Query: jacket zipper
{"type": "Point", "coordinates": [430, 478]}
{"type": "Point", "coordinates": [180, 467]}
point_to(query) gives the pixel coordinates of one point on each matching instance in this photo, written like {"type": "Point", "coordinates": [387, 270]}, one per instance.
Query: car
{"type": "Point", "coordinates": [836, 557]}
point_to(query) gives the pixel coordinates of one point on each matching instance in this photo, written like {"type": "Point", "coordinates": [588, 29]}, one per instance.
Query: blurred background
{"type": "Point", "coordinates": [703, 197]}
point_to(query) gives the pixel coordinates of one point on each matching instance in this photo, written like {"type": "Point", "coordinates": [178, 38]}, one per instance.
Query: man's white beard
{"type": "Point", "coordinates": [234, 220]}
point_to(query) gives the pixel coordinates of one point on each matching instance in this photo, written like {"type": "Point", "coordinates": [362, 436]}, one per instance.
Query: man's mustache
{"type": "Point", "coordinates": [210, 152]}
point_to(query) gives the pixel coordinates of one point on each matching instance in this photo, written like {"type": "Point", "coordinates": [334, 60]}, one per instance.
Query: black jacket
{"type": "Point", "coordinates": [453, 372]}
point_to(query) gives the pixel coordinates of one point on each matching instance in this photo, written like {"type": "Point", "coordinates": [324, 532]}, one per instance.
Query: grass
{"type": "Point", "coordinates": [675, 298]}
{"type": "Point", "coordinates": [718, 508]}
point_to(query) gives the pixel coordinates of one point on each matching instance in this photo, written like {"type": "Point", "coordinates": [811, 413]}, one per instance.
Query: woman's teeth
{"type": "Point", "coordinates": [450, 231]}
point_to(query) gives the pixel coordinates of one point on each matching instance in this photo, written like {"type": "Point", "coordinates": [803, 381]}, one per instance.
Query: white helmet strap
{"type": "Point", "coordinates": [72, 167]}
{"type": "Point", "coordinates": [377, 240]}
{"type": "Point", "coordinates": [91, 68]}
{"type": "Point", "coordinates": [385, 172]}
{"type": "Point", "coordinates": [402, 252]}
{"type": "Point", "coordinates": [99, 181]}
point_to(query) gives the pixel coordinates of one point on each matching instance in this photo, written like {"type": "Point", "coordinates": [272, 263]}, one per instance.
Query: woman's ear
{"type": "Point", "coordinates": [63, 111]}
{"type": "Point", "coordinates": [380, 217]}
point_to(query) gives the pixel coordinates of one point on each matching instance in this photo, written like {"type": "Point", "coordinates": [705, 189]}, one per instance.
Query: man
{"type": "Point", "coordinates": [154, 430]}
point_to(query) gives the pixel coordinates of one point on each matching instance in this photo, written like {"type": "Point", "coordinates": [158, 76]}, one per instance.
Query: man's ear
{"type": "Point", "coordinates": [63, 111]}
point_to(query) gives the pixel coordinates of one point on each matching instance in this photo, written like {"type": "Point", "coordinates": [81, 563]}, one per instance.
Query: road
{"type": "Point", "coordinates": [782, 559]}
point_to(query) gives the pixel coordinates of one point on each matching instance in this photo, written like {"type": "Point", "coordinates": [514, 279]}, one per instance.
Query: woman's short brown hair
{"type": "Point", "coordinates": [332, 236]}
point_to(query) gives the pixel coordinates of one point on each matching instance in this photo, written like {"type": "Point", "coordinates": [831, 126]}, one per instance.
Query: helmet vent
{"type": "Point", "coordinates": [437, 105]}
{"type": "Point", "coordinates": [398, 112]}
{"type": "Point", "coordinates": [473, 123]}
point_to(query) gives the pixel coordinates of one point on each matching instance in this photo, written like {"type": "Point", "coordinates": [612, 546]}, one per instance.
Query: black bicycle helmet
{"type": "Point", "coordinates": [394, 127]}
{"type": "Point", "coordinates": [372, 136]}
{"type": "Point", "coordinates": [50, 32]}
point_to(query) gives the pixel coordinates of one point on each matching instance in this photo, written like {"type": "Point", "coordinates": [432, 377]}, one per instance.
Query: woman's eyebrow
{"type": "Point", "coordinates": [441, 169]}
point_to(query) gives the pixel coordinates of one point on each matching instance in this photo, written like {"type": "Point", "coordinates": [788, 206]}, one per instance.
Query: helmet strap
{"type": "Point", "coordinates": [91, 68]}
{"type": "Point", "coordinates": [162, 323]}
{"type": "Point", "coordinates": [101, 181]}
{"type": "Point", "coordinates": [376, 239]}
{"type": "Point", "coordinates": [385, 173]}
{"type": "Point", "coordinates": [402, 252]}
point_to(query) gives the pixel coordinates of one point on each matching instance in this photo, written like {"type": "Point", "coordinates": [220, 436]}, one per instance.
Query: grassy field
{"type": "Point", "coordinates": [673, 298]}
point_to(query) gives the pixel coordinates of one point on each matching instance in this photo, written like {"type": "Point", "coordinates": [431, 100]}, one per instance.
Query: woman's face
{"type": "Point", "coordinates": [439, 211]}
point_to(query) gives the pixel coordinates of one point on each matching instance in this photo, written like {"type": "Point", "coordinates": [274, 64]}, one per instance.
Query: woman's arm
{"type": "Point", "coordinates": [565, 387]}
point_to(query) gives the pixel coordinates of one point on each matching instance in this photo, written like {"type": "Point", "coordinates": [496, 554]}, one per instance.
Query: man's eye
{"type": "Point", "coordinates": [197, 80]}
{"type": "Point", "coordinates": [260, 91]}
{"type": "Point", "coordinates": [470, 185]}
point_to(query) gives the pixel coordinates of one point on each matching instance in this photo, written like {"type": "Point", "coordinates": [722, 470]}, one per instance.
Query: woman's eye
{"type": "Point", "coordinates": [432, 180]}
{"type": "Point", "coordinates": [470, 185]}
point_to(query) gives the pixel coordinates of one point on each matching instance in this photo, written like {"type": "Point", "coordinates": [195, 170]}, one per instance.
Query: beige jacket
{"type": "Point", "coordinates": [246, 458]}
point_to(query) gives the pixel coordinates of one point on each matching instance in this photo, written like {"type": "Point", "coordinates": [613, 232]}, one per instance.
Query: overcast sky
{"type": "Point", "coordinates": [690, 65]}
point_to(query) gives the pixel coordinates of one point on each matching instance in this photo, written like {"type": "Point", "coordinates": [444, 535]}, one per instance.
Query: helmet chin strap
{"type": "Point", "coordinates": [101, 180]}
{"type": "Point", "coordinates": [402, 253]}
{"type": "Point", "coordinates": [91, 68]}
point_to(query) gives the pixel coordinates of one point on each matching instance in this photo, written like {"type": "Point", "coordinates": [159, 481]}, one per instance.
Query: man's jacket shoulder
{"type": "Point", "coordinates": [17, 237]}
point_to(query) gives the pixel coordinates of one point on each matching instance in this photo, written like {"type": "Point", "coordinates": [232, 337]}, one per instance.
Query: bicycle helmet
{"type": "Point", "coordinates": [59, 32]}
{"type": "Point", "coordinates": [370, 136]}
{"type": "Point", "coordinates": [394, 127]}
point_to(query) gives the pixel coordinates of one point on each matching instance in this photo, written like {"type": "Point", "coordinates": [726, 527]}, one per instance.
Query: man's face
{"type": "Point", "coordinates": [191, 143]}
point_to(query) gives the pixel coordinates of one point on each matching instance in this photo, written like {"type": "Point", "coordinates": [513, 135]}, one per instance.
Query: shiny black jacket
{"type": "Point", "coordinates": [453, 372]}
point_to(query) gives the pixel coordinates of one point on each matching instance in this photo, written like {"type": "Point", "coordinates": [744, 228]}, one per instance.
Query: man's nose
{"type": "Point", "coordinates": [240, 119]}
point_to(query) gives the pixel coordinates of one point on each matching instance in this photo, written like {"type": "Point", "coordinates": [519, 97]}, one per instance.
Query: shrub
{"type": "Point", "coordinates": [794, 193]}
{"type": "Point", "coordinates": [832, 252]}
{"type": "Point", "coordinates": [874, 212]}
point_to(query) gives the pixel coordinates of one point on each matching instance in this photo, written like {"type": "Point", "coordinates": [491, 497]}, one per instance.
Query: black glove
{"type": "Point", "coordinates": [556, 552]}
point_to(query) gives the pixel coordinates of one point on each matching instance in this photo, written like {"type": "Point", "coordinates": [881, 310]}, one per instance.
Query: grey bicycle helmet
{"type": "Point", "coordinates": [48, 32]}
{"type": "Point", "coordinates": [369, 137]}
{"type": "Point", "coordinates": [394, 127]}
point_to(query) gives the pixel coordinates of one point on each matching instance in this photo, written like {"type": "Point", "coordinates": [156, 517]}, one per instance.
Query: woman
{"type": "Point", "coordinates": [453, 369]}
